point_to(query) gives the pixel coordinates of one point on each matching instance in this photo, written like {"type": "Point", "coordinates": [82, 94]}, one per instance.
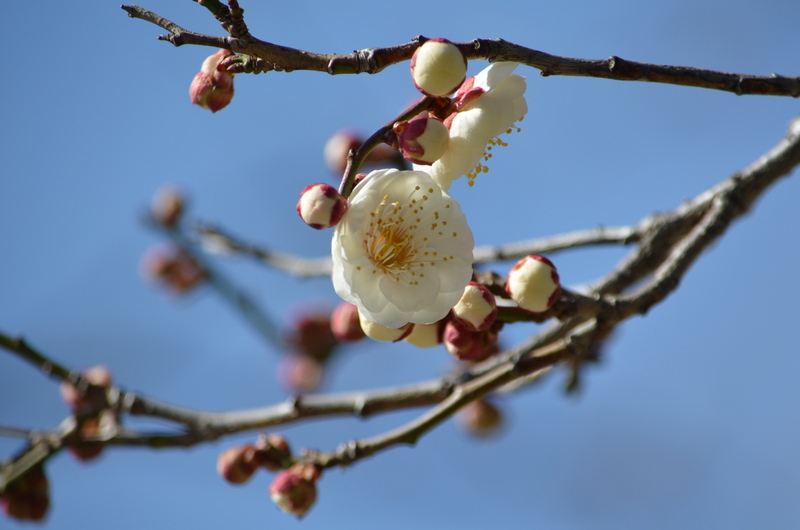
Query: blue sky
{"type": "Point", "coordinates": [691, 420]}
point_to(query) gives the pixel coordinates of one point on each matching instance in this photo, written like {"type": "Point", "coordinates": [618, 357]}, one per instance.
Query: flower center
{"type": "Point", "coordinates": [390, 247]}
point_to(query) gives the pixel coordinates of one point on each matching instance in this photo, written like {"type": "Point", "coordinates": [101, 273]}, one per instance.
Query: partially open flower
{"type": "Point", "coordinates": [403, 251]}
{"type": "Point", "coordinates": [438, 67]}
{"type": "Point", "coordinates": [321, 206]}
{"type": "Point", "coordinates": [533, 283]}
{"type": "Point", "coordinates": [477, 308]}
{"type": "Point", "coordinates": [488, 105]}
{"type": "Point", "coordinates": [295, 490]}
{"type": "Point", "coordinates": [212, 88]}
{"type": "Point", "coordinates": [422, 140]}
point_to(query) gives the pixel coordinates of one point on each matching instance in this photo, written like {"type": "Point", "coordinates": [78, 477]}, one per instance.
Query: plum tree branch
{"type": "Point", "coordinates": [260, 56]}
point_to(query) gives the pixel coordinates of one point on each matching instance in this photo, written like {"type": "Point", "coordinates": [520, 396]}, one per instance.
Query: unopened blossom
{"type": "Point", "coordinates": [382, 333]}
{"type": "Point", "coordinates": [533, 283]}
{"type": "Point", "coordinates": [212, 88]}
{"type": "Point", "coordinates": [467, 345]}
{"type": "Point", "coordinates": [237, 464]}
{"type": "Point", "coordinates": [321, 206]}
{"type": "Point", "coordinates": [295, 489]}
{"type": "Point", "coordinates": [480, 418]}
{"type": "Point", "coordinates": [489, 104]}
{"type": "Point", "coordinates": [27, 498]}
{"type": "Point", "coordinates": [167, 206]}
{"type": "Point", "coordinates": [422, 140]}
{"type": "Point", "coordinates": [477, 308]}
{"type": "Point", "coordinates": [438, 67]}
{"type": "Point", "coordinates": [426, 335]}
{"type": "Point", "coordinates": [403, 251]}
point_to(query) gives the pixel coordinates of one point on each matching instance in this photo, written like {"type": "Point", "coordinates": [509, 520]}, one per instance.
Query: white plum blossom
{"type": "Point", "coordinates": [488, 105]}
{"type": "Point", "coordinates": [403, 251]}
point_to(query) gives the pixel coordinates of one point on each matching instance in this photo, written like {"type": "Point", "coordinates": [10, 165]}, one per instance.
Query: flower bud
{"type": "Point", "coordinates": [438, 67]}
{"type": "Point", "coordinates": [212, 88]}
{"type": "Point", "coordinates": [294, 490]}
{"type": "Point", "coordinates": [338, 147]}
{"type": "Point", "coordinates": [533, 283]}
{"type": "Point", "coordinates": [272, 451]}
{"type": "Point", "coordinates": [28, 498]}
{"type": "Point", "coordinates": [380, 332]}
{"type": "Point", "coordinates": [345, 324]}
{"type": "Point", "coordinates": [76, 401]}
{"type": "Point", "coordinates": [298, 372]}
{"type": "Point", "coordinates": [426, 335]}
{"type": "Point", "coordinates": [167, 206]}
{"type": "Point", "coordinates": [480, 419]}
{"type": "Point", "coordinates": [321, 206]}
{"type": "Point", "coordinates": [173, 268]}
{"type": "Point", "coordinates": [311, 335]}
{"type": "Point", "coordinates": [87, 451]}
{"type": "Point", "coordinates": [422, 140]}
{"type": "Point", "coordinates": [477, 308]}
{"type": "Point", "coordinates": [467, 345]}
{"type": "Point", "coordinates": [237, 464]}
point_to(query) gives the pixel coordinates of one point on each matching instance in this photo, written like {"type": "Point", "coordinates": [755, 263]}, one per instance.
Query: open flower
{"type": "Point", "coordinates": [487, 106]}
{"type": "Point", "coordinates": [403, 251]}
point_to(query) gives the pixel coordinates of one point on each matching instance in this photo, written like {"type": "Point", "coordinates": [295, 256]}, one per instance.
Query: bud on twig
{"type": "Point", "coordinates": [533, 283]}
{"type": "Point", "coordinates": [321, 206]}
{"type": "Point", "coordinates": [212, 88]}
{"type": "Point", "coordinates": [477, 308]}
{"type": "Point", "coordinates": [237, 464]}
{"type": "Point", "coordinates": [295, 490]}
{"type": "Point", "coordinates": [167, 206]}
{"type": "Point", "coordinates": [438, 67]}
{"type": "Point", "coordinates": [272, 451]}
{"type": "Point", "coordinates": [480, 419]}
{"type": "Point", "coordinates": [422, 140]}
{"type": "Point", "coordinates": [27, 499]}
{"type": "Point", "coordinates": [345, 324]}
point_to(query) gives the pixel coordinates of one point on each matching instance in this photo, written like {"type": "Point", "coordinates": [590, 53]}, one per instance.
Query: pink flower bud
{"type": "Point", "coordinates": [97, 375]}
{"type": "Point", "coordinates": [173, 268]}
{"type": "Point", "coordinates": [298, 372]}
{"type": "Point", "coordinates": [167, 206]}
{"type": "Point", "coordinates": [311, 335]}
{"type": "Point", "coordinates": [380, 332]}
{"type": "Point", "coordinates": [295, 490]}
{"type": "Point", "coordinates": [212, 88]}
{"type": "Point", "coordinates": [345, 324]}
{"type": "Point", "coordinates": [321, 206]}
{"type": "Point", "coordinates": [426, 335]}
{"type": "Point", "coordinates": [422, 140]}
{"type": "Point", "coordinates": [533, 283]}
{"type": "Point", "coordinates": [467, 345]}
{"type": "Point", "coordinates": [438, 67]}
{"type": "Point", "coordinates": [237, 464]}
{"type": "Point", "coordinates": [28, 498]}
{"type": "Point", "coordinates": [477, 308]}
{"type": "Point", "coordinates": [272, 451]}
{"type": "Point", "coordinates": [480, 419]}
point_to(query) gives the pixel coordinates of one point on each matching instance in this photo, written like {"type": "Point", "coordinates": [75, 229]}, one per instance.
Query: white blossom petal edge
{"type": "Point", "coordinates": [491, 102]}
{"type": "Point", "coordinates": [403, 251]}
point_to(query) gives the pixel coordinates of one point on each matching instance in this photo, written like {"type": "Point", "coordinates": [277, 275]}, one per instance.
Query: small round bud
{"type": "Point", "coordinates": [345, 324]}
{"type": "Point", "coordinates": [173, 268]}
{"type": "Point", "coordinates": [298, 372]}
{"type": "Point", "coordinates": [477, 308]}
{"type": "Point", "coordinates": [87, 451]}
{"type": "Point", "coordinates": [76, 401]}
{"type": "Point", "coordinates": [237, 464]}
{"type": "Point", "coordinates": [467, 345]}
{"type": "Point", "coordinates": [533, 283]}
{"type": "Point", "coordinates": [212, 88]}
{"type": "Point", "coordinates": [167, 206]}
{"type": "Point", "coordinates": [272, 451]}
{"type": "Point", "coordinates": [480, 419]}
{"type": "Point", "coordinates": [28, 498]}
{"type": "Point", "coordinates": [338, 147]}
{"type": "Point", "coordinates": [311, 335]}
{"type": "Point", "coordinates": [379, 332]}
{"type": "Point", "coordinates": [422, 140]}
{"type": "Point", "coordinates": [426, 335]}
{"type": "Point", "coordinates": [321, 206]}
{"type": "Point", "coordinates": [438, 67]}
{"type": "Point", "coordinates": [294, 490]}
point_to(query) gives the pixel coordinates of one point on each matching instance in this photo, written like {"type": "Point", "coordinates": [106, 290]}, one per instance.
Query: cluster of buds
{"type": "Point", "coordinates": [212, 87]}
{"type": "Point", "coordinates": [27, 498]}
{"type": "Point", "coordinates": [93, 422]}
{"type": "Point", "coordinates": [321, 206]}
{"type": "Point", "coordinates": [237, 464]}
{"type": "Point", "coordinates": [294, 490]}
{"type": "Point", "coordinates": [173, 268]}
{"type": "Point", "coordinates": [533, 283]}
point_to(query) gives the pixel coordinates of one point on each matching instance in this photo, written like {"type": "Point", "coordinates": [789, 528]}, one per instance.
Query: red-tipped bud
{"type": "Point", "coordinates": [237, 464]}
{"type": "Point", "coordinates": [272, 451]}
{"type": "Point", "coordinates": [426, 335]}
{"type": "Point", "coordinates": [438, 67]}
{"type": "Point", "coordinates": [480, 419]}
{"type": "Point", "coordinates": [76, 401]}
{"type": "Point", "coordinates": [422, 140]}
{"type": "Point", "coordinates": [380, 332]}
{"type": "Point", "coordinates": [477, 308]}
{"type": "Point", "coordinates": [173, 268]}
{"type": "Point", "coordinates": [467, 345]}
{"type": "Point", "coordinates": [295, 490]}
{"type": "Point", "coordinates": [311, 335]}
{"type": "Point", "coordinates": [533, 283]}
{"type": "Point", "coordinates": [298, 372]}
{"type": "Point", "coordinates": [345, 324]}
{"type": "Point", "coordinates": [321, 206]}
{"type": "Point", "coordinates": [212, 88]}
{"type": "Point", "coordinates": [27, 499]}
{"type": "Point", "coordinates": [167, 206]}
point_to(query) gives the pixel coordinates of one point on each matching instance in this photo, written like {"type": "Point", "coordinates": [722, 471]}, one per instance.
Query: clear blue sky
{"type": "Point", "coordinates": [692, 419]}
